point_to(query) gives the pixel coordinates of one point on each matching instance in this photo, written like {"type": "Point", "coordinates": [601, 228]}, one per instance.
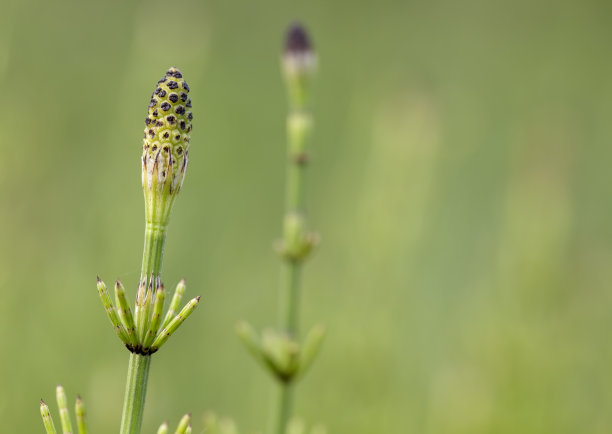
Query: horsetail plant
{"type": "Point", "coordinates": [164, 162]}
{"type": "Point", "coordinates": [280, 350]}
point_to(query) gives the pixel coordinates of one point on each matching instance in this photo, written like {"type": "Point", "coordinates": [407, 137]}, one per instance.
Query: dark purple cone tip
{"type": "Point", "coordinates": [297, 40]}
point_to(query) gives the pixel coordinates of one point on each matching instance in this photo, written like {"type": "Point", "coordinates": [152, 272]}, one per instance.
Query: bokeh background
{"type": "Point", "coordinates": [460, 181]}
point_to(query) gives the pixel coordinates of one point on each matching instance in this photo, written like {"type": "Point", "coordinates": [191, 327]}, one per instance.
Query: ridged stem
{"type": "Point", "coordinates": [138, 367]}
{"type": "Point", "coordinates": [153, 252]}
{"type": "Point", "coordinates": [135, 394]}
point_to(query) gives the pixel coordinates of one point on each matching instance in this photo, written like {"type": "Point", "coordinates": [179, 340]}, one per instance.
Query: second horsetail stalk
{"type": "Point", "coordinates": [164, 162]}
{"type": "Point", "coordinates": [280, 351]}
{"type": "Point", "coordinates": [299, 64]}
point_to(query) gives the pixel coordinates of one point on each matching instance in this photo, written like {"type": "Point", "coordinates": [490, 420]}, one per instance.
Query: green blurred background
{"type": "Point", "coordinates": [460, 181]}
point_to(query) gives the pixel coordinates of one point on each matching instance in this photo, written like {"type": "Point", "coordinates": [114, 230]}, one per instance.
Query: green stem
{"type": "Point", "coordinates": [155, 237]}
{"type": "Point", "coordinates": [290, 297]}
{"type": "Point", "coordinates": [294, 223]}
{"type": "Point", "coordinates": [298, 64]}
{"type": "Point", "coordinates": [289, 309]}
{"type": "Point", "coordinates": [135, 393]}
{"type": "Point", "coordinates": [283, 407]}
{"type": "Point", "coordinates": [138, 367]}
{"type": "Point", "coordinates": [291, 272]}
{"type": "Point", "coordinates": [294, 195]}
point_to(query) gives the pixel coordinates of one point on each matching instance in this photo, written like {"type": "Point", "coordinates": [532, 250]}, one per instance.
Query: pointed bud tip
{"type": "Point", "coordinates": [297, 40]}
{"type": "Point", "coordinates": [99, 280]}
{"type": "Point", "coordinates": [182, 281]}
{"type": "Point", "coordinates": [173, 71]}
{"type": "Point", "coordinates": [42, 402]}
{"type": "Point", "coordinates": [197, 298]}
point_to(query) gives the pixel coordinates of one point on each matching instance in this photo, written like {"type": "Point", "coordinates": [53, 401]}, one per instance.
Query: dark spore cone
{"type": "Point", "coordinates": [297, 40]}
{"type": "Point", "coordinates": [167, 127]}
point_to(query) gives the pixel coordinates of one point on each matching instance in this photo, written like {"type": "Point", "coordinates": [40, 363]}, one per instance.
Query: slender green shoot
{"type": "Point", "coordinates": [125, 313]}
{"type": "Point", "coordinates": [46, 417]}
{"type": "Point", "coordinates": [175, 303]}
{"type": "Point", "coordinates": [65, 421]}
{"type": "Point", "coordinates": [184, 426]}
{"type": "Point", "coordinates": [310, 348]}
{"type": "Point", "coordinates": [158, 306]}
{"type": "Point", "coordinates": [139, 317]}
{"type": "Point", "coordinates": [146, 314]}
{"type": "Point", "coordinates": [111, 312]}
{"type": "Point", "coordinates": [250, 339]}
{"type": "Point", "coordinates": [79, 408]}
{"type": "Point", "coordinates": [163, 429]}
{"type": "Point", "coordinates": [62, 404]}
{"type": "Point", "coordinates": [163, 336]}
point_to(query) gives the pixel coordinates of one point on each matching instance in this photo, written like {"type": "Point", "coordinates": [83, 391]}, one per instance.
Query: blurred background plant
{"type": "Point", "coordinates": [460, 183]}
{"type": "Point", "coordinates": [282, 351]}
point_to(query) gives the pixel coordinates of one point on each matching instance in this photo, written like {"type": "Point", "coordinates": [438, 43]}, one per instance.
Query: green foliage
{"type": "Point", "coordinates": [184, 426]}
{"type": "Point", "coordinates": [280, 353]}
{"type": "Point", "coordinates": [64, 414]}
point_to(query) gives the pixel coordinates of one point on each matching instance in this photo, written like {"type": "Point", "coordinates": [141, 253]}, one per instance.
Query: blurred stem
{"type": "Point", "coordinates": [291, 271]}
{"type": "Point", "coordinates": [80, 416]}
{"type": "Point", "coordinates": [283, 407]}
{"type": "Point", "coordinates": [138, 367]}
{"type": "Point", "coordinates": [294, 225]}
{"type": "Point", "coordinates": [294, 194]}
{"type": "Point", "coordinates": [289, 307]}
{"type": "Point", "coordinates": [289, 297]}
